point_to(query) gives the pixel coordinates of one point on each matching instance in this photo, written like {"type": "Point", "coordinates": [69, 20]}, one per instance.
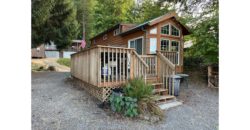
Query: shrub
{"type": "Point", "coordinates": [138, 89]}
{"type": "Point", "coordinates": [116, 102]}
{"type": "Point", "coordinates": [126, 105]}
{"type": "Point", "coordinates": [51, 68]}
{"type": "Point", "coordinates": [64, 61]}
{"type": "Point", "coordinates": [130, 107]}
{"type": "Point", "coordinates": [143, 92]}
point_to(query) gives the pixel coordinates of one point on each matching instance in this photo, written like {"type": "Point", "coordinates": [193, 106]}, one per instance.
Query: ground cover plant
{"type": "Point", "coordinates": [64, 61]}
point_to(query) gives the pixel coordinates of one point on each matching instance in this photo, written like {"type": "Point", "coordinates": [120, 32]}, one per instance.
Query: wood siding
{"type": "Point", "coordinates": [122, 41]}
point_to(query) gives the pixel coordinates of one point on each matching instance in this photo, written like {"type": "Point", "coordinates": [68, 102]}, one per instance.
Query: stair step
{"type": "Point", "coordinates": [154, 84]}
{"type": "Point", "coordinates": [164, 97]}
{"type": "Point", "coordinates": [159, 90]}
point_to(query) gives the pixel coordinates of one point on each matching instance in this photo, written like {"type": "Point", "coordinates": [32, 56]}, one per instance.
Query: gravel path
{"type": "Point", "coordinates": [56, 104]}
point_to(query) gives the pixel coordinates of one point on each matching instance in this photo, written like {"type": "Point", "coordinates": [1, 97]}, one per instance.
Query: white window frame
{"type": "Point", "coordinates": [168, 29]}
{"type": "Point", "coordinates": [105, 37]}
{"type": "Point", "coordinates": [179, 49]}
{"type": "Point", "coordinates": [141, 37]}
{"type": "Point", "coordinates": [168, 43]}
{"type": "Point", "coordinates": [177, 29]}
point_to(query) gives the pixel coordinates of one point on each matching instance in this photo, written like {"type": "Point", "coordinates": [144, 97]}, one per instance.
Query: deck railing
{"type": "Point", "coordinates": [167, 68]}
{"type": "Point", "coordinates": [171, 55]}
{"type": "Point", "coordinates": [107, 66]}
{"type": "Point", "coordinates": [151, 61]}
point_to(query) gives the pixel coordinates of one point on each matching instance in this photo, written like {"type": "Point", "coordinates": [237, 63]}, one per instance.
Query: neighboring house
{"type": "Point", "coordinates": [152, 50]}
{"type": "Point", "coordinates": [164, 33]}
{"type": "Point", "coordinates": [50, 50]}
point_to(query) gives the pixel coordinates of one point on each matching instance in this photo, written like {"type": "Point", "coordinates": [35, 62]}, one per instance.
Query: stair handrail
{"type": "Point", "coordinates": [143, 62]}
{"type": "Point", "coordinates": [166, 60]}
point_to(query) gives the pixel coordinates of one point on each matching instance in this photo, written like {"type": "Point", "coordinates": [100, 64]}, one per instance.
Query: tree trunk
{"type": "Point", "coordinates": [60, 54]}
{"type": "Point", "coordinates": [209, 74]}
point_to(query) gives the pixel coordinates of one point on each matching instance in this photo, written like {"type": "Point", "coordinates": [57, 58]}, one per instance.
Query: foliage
{"type": "Point", "coordinates": [148, 105]}
{"type": "Point", "coordinates": [64, 61]}
{"type": "Point", "coordinates": [205, 37]}
{"type": "Point", "coordinates": [107, 13]}
{"type": "Point", "coordinates": [130, 106]}
{"type": "Point", "coordinates": [126, 105]}
{"type": "Point", "coordinates": [84, 16]}
{"type": "Point", "coordinates": [116, 102]}
{"type": "Point", "coordinates": [138, 89]}
{"type": "Point", "coordinates": [149, 9]}
{"type": "Point", "coordinates": [54, 20]}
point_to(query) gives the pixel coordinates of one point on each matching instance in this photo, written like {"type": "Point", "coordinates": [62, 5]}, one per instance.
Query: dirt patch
{"type": "Point", "coordinates": [50, 62]}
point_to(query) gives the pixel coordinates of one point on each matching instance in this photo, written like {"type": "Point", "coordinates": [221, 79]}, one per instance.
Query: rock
{"type": "Point", "coordinates": [144, 117]}
{"type": "Point", "coordinates": [154, 119]}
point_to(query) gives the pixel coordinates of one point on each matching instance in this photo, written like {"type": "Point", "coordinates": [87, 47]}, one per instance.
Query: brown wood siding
{"type": "Point", "coordinates": [123, 40]}
{"type": "Point", "coordinates": [159, 36]}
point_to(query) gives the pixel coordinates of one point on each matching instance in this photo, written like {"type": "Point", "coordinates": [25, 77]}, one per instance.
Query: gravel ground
{"type": "Point", "coordinates": [56, 104]}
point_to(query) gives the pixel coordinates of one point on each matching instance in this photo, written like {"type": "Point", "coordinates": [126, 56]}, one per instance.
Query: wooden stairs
{"type": "Point", "coordinates": [161, 95]}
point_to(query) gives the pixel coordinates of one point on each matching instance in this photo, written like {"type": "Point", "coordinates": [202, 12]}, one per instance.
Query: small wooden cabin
{"type": "Point", "coordinates": [152, 50]}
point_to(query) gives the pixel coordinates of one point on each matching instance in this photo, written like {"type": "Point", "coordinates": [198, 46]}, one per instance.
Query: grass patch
{"type": "Point", "coordinates": [64, 61]}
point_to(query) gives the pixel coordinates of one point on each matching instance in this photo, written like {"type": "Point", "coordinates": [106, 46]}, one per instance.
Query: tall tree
{"type": "Point", "coordinates": [85, 17]}
{"type": "Point", "coordinates": [54, 20]}
{"type": "Point", "coordinates": [110, 12]}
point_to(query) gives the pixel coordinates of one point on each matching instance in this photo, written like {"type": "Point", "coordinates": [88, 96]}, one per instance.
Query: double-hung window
{"type": "Point", "coordinates": [164, 45]}
{"type": "Point", "coordinates": [174, 46]}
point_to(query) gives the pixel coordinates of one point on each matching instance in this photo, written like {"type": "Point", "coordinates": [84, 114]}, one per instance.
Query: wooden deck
{"type": "Point", "coordinates": [111, 67]}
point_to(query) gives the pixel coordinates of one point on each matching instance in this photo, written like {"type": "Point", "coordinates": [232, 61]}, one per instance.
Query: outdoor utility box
{"type": "Point", "coordinates": [174, 85]}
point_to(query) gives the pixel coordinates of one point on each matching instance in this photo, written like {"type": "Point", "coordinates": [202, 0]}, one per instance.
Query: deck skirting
{"type": "Point", "coordinates": [101, 93]}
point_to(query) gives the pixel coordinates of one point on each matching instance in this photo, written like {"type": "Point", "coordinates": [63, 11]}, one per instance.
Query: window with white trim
{"type": "Point", "coordinates": [174, 46]}
{"type": "Point", "coordinates": [164, 45]}
{"type": "Point", "coordinates": [116, 31]}
{"type": "Point", "coordinates": [175, 31]}
{"type": "Point", "coordinates": [105, 36]}
{"type": "Point", "coordinates": [165, 29]}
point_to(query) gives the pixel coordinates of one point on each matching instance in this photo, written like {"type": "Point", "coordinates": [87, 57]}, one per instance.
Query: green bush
{"type": "Point", "coordinates": [116, 102]}
{"type": "Point", "coordinates": [143, 92]}
{"type": "Point", "coordinates": [138, 89]}
{"type": "Point", "coordinates": [64, 61]}
{"type": "Point", "coordinates": [130, 107]}
{"type": "Point", "coordinates": [126, 105]}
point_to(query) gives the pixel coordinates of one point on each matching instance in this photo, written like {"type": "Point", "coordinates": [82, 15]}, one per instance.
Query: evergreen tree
{"type": "Point", "coordinates": [54, 20]}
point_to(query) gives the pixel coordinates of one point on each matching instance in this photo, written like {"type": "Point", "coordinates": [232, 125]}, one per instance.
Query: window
{"type": "Point", "coordinates": [165, 29]}
{"type": "Point", "coordinates": [164, 45]}
{"type": "Point", "coordinates": [174, 46]}
{"type": "Point", "coordinates": [116, 31]}
{"type": "Point", "coordinates": [175, 31]}
{"type": "Point", "coordinates": [105, 37]}
{"type": "Point", "coordinates": [137, 44]}
{"type": "Point", "coordinates": [153, 31]}
{"type": "Point", "coordinates": [153, 45]}
{"type": "Point", "coordinates": [94, 41]}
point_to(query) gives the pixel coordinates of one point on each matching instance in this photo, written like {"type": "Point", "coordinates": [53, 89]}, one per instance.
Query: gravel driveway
{"type": "Point", "coordinates": [58, 105]}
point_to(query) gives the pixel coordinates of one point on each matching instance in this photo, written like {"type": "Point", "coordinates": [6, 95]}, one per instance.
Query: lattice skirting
{"type": "Point", "coordinates": [101, 93]}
